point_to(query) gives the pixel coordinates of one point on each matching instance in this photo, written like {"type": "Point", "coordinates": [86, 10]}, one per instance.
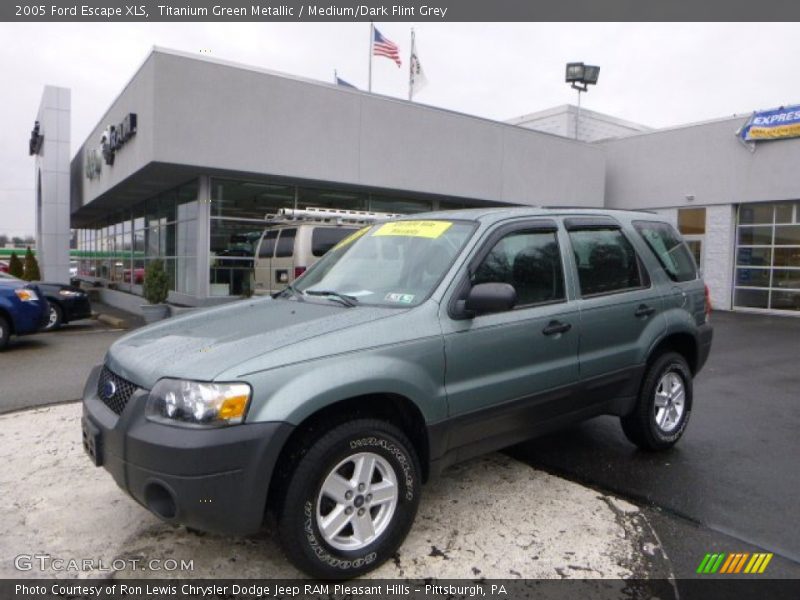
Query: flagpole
{"type": "Point", "coordinates": [411, 65]}
{"type": "Point", "coordinates": [371, 38]}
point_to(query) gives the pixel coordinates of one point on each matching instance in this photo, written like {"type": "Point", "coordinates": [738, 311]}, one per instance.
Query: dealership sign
{"type": "Point", "coordinates": [116, 136]}
{"type": "Point", "coordinates": [775, 124]}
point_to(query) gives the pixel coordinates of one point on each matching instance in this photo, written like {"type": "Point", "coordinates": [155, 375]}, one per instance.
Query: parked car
{"type": "Point", "coordinates": [66, 303]}
{"type": "Point", "coordinates": [3, 266]}
{"type": "Point", "coordinates": [23, 309]}
{"type": "Point", "coordinates": [410, 346]}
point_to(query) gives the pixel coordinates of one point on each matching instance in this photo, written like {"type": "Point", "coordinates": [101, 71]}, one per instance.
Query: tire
{"type": "Point", "coordinates": [662, 411]}
{"type": "Point", "coordinates": [5, 333]}
{"type": "Point", "coordinates": [347, 550]}
{"type": "Point", "coordinates": [56, 317]}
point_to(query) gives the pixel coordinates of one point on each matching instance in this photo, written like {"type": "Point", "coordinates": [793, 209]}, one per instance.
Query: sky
{"type": "Point", "coordinates": [657, 74]}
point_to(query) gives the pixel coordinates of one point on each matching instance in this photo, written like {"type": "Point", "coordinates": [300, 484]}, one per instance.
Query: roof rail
{"type": "Point", "coordinates": [328, 215]}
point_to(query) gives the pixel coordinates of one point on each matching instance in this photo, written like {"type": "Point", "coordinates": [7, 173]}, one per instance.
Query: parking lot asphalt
{"type": "Point", "coordinates": [50, 367]}
{"type": "Point", "coordinates": [735, 472]}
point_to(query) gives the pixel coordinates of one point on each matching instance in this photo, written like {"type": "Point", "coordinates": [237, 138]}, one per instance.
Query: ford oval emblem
{"type": "Point", "coordinates": [109, 389]}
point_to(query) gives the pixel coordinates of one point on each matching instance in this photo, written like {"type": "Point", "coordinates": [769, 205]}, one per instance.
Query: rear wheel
{"type": "Point", "coordinates": [55, 318]}
{"type": "Point", "coordinates": [5, 332]}
{"type": "Point", "coordinates": [664, 406]}
{"type": "Point", "coordinates": [350, 501]}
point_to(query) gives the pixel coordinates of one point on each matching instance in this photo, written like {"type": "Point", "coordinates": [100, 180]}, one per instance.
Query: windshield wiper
{"type": "Point", "coordinates": [292, 291]}
{"type": "Point", "coordinates": [348, 301]}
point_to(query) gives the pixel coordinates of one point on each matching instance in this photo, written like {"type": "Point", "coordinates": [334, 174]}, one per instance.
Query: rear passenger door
{"type": "Point", "coordinates": [621, 312]}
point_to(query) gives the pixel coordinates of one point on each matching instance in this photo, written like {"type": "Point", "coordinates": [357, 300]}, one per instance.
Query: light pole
{"type": "Point", "coordinates": [581, 76]}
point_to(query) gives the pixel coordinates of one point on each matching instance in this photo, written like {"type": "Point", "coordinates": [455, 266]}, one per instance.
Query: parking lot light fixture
{"type": "Point", "coordinates": [580, 77]}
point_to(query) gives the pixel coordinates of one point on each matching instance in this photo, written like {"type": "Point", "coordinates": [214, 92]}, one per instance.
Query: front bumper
{"type": "Point", "coordinates": [209, 479]}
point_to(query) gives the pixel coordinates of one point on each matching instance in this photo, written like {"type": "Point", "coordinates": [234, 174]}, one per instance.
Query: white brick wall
{"type": "Point", "coordinates": [719, 249]}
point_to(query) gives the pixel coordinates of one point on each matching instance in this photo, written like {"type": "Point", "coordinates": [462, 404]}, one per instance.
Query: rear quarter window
{"type": "Point", "coordinates": [325, 238]}
{"type": "Point", "coordinates": [670, 249]}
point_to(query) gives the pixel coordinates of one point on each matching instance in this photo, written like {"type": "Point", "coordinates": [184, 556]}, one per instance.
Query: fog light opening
{"type": "Point", "coordinates": [159, 499]}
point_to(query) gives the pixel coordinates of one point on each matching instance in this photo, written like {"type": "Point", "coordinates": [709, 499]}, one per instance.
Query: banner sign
{"type": "Point", "coordinates": [775, 124]}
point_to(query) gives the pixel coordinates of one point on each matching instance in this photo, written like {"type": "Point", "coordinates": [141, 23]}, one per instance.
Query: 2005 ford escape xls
{"type": "Point", "coordinates": [411, 345]}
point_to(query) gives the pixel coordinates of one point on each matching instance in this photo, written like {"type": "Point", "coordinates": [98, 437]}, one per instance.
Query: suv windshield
{"type": "Point", "coordinates": [392, 264]}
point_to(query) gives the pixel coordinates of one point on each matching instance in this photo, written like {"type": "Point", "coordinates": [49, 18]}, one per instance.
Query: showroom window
{"type": "Point", "coordinates": [767, 271]}
{"type": "Point", "coordinates": [164, 227]}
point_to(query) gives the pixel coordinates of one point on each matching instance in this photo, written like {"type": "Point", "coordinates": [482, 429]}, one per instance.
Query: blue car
{"type": "Point", "coordinates": [23, 309]}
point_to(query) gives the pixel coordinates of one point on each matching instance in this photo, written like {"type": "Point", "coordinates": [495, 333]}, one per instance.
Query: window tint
{"type": "Point", "coordinates": [286, 243]}
{"type": "Point", "coordinates": [325, 238]}
{"type": "Point", "coordinates": [530, 261]}
{"type": "Point", "coordinates": [268, 244]}
{"type": "Point", "coordinates": [670, 249]}
{"type": "Point", "coordinates": [606, 261]}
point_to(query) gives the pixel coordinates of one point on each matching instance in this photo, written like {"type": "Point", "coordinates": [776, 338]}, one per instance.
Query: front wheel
{"type": "Point", "coordinates": [350, 501]}
{"type": "Point", "coordinates": [5, 333]}
{"type": "Point", "coordinates": [55, 318]}
{"type": "Point", "coordinates": [664, 405]}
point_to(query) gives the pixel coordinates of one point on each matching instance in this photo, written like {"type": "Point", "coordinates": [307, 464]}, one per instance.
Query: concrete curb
{"type": "Point", "coordinates": [115, 322]}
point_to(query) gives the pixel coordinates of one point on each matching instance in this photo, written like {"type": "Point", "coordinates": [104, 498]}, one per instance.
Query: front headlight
{"type": "Point", "coordinates": [197, 404]}
{"type": "Point", "coordinates": [26, 295]}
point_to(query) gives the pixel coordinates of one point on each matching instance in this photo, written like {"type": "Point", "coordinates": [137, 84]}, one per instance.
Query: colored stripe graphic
{"type": "Point", "coordinates": [735, 562]}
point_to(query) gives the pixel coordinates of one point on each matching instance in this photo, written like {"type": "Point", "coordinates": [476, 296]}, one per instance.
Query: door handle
{"type": "Point", "coordinates": [644, 310]}
{"type": "Point", "coordinates": [555, 327]}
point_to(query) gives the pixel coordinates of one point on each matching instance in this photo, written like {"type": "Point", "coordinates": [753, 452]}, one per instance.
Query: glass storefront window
{"type": "Point", "coordinates": [775, 249]}
{"type": "Point", "coordinates": [756, 213]}
{"type": "Point", "coordinates": [249, 199]}
{"type": "Point", "coordinates": [755, 236]}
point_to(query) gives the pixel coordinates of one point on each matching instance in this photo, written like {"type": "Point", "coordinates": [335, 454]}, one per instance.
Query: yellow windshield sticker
{"type": "Point", "coordinates": [351, 238]}
{"type": "Point", "coordinates": [423, 229]}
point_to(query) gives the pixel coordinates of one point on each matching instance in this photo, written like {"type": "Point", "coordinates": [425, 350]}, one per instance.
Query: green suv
{"type": "Point", "coordinates": [413, 344]}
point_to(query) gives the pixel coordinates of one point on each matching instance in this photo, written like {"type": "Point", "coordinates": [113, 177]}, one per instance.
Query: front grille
{"type": "Point", "coordinates": [114, 391]}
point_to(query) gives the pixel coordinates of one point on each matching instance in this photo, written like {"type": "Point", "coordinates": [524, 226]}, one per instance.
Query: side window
{"type": "Point", "coordinates": [669, 248]}
{"type": "Point", "coordinates": [268, 244]}
{"type": "Point", "coordinates": [528, 260]}
{"type": "Point", "coordinates": [285, 245]}
{"type": "Point", "coordinates": [325, 238]}
{"type": "Point", "coordinates": [606, 261]}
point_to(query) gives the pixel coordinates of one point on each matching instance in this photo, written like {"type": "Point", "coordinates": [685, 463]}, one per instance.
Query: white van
{"type": "Point", "coordinates": [298, 239]}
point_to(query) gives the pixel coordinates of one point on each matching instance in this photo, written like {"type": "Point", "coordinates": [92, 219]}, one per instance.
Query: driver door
{"type": "Point", "coordinates": [509, 371]}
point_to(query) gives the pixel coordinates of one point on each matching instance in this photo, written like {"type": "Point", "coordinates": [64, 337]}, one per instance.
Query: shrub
{"type": "Point", "coordinates": [156, 285]}
{"type": "Point", "coordinates": [31, 269]}
{"type": "Point", "coordinates": [15, 268]}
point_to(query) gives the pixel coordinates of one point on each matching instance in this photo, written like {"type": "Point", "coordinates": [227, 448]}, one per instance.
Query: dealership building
{"type": "Point", "coordinates": [194, 152]}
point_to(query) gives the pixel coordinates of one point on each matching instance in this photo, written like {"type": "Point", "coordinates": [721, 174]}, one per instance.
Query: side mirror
{"type": "Point", "coordinates": [490, 297]}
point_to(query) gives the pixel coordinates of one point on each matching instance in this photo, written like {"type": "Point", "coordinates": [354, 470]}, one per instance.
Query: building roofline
{"type": "Point", "coordinates": [736, 117]}
{"type": "Point", "coordinates": [305, 80]}
{"type": "Point", "coordinates": [571, 108]}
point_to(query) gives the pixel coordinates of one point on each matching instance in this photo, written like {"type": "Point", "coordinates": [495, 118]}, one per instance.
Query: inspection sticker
{"type": "Point", "coordinates": [401, 298]}
{"type": "Point", "coordinates": [424, 229]}
{"type": "Point", "coordinates": [351, 238]}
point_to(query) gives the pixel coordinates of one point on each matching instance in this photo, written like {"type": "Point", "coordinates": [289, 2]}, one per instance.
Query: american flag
{"type": "Point", "coordinates": [382, 46]}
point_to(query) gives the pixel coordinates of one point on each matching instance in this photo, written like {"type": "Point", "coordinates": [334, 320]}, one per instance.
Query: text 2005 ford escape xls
{"type": "Point", "coordinates": [411, 345]}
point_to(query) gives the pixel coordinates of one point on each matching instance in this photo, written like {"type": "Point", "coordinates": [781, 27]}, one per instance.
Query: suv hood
{"type": "Point", "coordinates": [205, 343]}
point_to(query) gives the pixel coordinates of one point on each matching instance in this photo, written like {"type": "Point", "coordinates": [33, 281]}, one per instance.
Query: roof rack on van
{"type": "Point", "coordinates": [328, 215]}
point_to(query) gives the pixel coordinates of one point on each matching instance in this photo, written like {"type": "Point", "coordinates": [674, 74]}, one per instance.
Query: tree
{"type": "Point", "coordinates": [31, 267]}
{"type": "Point", "coordinates": [3, 240]}
{"type": "Point", "coordinates": [156, 284]}
{"type": "Point", "coordinates": [15, 266]}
